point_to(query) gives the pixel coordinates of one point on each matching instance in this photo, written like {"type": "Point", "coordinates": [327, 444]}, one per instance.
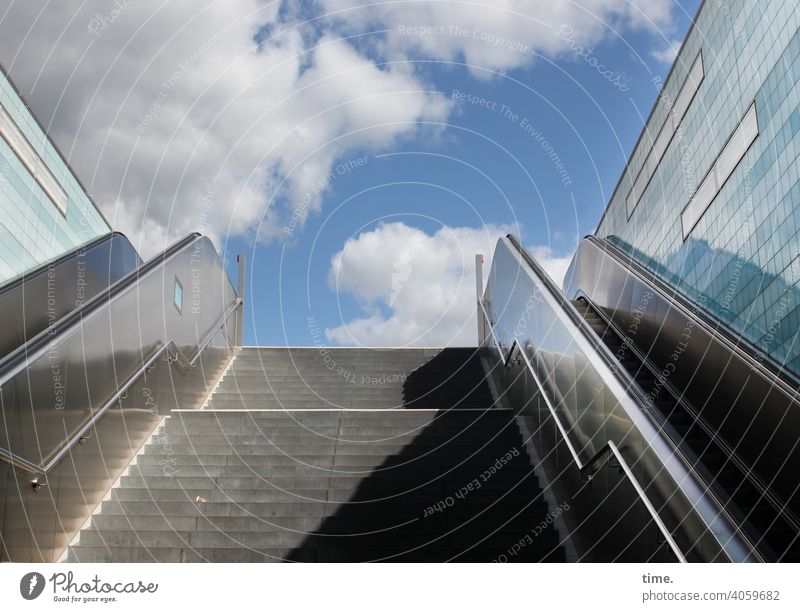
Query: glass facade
{"type": "Point", "coordinates": [44, 210]}
{"type": "Point", "coordinates": [718, 216]}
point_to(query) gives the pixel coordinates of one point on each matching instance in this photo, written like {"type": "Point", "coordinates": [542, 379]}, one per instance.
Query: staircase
{"type": "Point", "coordinates": [331, 455]}
{"type": "Point", "coordinates": [743, 498]}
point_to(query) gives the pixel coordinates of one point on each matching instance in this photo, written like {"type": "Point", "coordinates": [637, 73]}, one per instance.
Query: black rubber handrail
{"type": "Point", "coordinates": [20, 356]}
{"type": "Point", "coordinates": [48, 265]}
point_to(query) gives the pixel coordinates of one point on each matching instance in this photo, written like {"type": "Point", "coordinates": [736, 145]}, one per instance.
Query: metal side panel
{"type": "Point", "coordinates": [54, 389]}
{"type": "Point", "coordinates": [38, 524]}
{"type": "Point", "coordinates": [529, 317]}
{"type": "Point", "coordinates": [754, 410]}
{"type": "Point", "coordinates": [108, 374]}
{"type": "Point", "coordinates": [39, 298]}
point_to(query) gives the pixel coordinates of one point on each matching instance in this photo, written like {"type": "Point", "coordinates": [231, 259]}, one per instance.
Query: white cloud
{"type": "Point", "coordinates": [668, 53]}
{"type": "Point", "coordinates": [554, 265]}
{"type": "Point", "coordinates": [426, 283]}
{"type": "Point", "coordinates": [498, 35]}
{"type": "Point", "coordinates": [177, 121]}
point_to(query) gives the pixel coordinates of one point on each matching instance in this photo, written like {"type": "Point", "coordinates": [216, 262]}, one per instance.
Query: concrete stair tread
{"type": "Point", "coordinates": [280, 467]}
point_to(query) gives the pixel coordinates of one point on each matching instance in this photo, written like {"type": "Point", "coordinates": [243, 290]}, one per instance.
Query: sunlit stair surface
{"type": "Point", "coordinates": [295, 461]}
{"type": "Point", "coordinates": [370, 379]}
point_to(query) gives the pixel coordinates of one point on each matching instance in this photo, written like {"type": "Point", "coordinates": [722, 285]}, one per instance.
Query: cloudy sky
{"type": "Point", "coordinates": [360, 153]}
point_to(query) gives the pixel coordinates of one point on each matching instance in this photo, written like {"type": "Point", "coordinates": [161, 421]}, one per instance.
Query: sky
{"type": "Point", "coordinates": [358, 153]}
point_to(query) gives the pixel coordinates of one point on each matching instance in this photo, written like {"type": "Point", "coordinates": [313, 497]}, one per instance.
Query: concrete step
{"type": "Point", "coordinates": [445, 450]}
{"type": "Point", "coordinates": [354, 403]}
{"type": "Point", "coordinates": [321, 433]}
{"type": "Point", "coordinates": [321, 417]}
{"type": "Point", "coordinates": [399, 538]}
{"type": "Point", "coordinates": [220, 477]}
{"type": "Point", "coordinates": [167, 459]}
{"type": "Point", "coordinates": [397, 471]}
{"type": "Point", "coordinates": [233, 485]}
{"type": "Point", "coordinates": [332, 524]}
{"type": "Point", "coordinates": [293, 439]}
{"type": "Point", "coordinates": [387, 448]}
{"type": "Point", "coordinates": [386, 444]}
{"type": "Point", "coordinates": [297, 398]}
{"type": "Point", "coordinates": [331, 413]}
{"type": "Point", "coordinates": [399, 507]}
{"type": "Point", "coordinates": [298, 463]}
{"type": "Point", "coordinates": [307, 555]}
{"type": "Point", "coordinates": [131, 554]}
{"type": "Point", "coordinates": [223, 493]}
{"type": "Point", "coordinates": [102, 522]}
{"type": "Point", "coordinates": [423, 495]}
{"type": "Point", "coordinates": [302, 389]}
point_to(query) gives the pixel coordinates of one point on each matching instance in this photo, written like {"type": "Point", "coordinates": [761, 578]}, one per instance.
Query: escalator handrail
{"type": "Point", "coordinates": [608, 448]}
{"type": "Point", "coordinates": [567, 307]}
{"type": "Point", "coordinates": [783, 379]}
{"type": "Point", "coordinates": [167, 347]}
{"type": "Point", "coordinates": [19, 358]}
{"type": "Point", "coordinates": [622, 376]}
{"type": "Point", "coordinates": [680, 398]}
{"type": "Point", "coordinates": [48, 265]}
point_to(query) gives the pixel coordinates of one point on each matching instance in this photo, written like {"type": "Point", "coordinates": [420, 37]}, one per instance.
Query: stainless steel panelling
{"type": "Point", "coordinates": [754, 410]}
{"type": "Point", "coordinates": [605, 520]}
{"type": "Point", "coordinates": [597, 404]}
{"type": "Point", "coordinates": [93, 359]}
{"type": "Point", "coordinates": [50, 394]}
{"type": "Point", "coordinates": [37, 299]}
{"type": "Point", "coordinates": [37, 525]}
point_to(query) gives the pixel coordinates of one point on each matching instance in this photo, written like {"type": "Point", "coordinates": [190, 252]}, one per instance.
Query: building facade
{"type": "Point", "coordinates": [710, 200]}
{"type": "Point", "coordinates": [44, 210]}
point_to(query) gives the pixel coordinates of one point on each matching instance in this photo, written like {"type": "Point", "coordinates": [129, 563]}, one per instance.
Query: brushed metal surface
{"type": "Point", "coordinates": [607, 452]}
{"type": "Point", "coordinates": [750, 405]}
{"type": "Point", "coordinates": [93, 353]}
{"type": "Point", "coordinates": [597, 404]}
{"type": "Point", "coordinates": [37, 299]}
{"type": "Point", "coordinates": [53, 389]}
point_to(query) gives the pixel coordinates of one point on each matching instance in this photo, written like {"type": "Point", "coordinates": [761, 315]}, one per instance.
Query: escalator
{"type": "Point", "coordinates": [765, 521]}
{"type": "Point", "coordinates": [647, 467]}
{"type": "Point", "coordinates": [83, 388]}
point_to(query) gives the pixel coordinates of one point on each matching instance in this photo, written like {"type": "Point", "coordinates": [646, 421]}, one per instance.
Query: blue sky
{"type": "Point", "coordinates": [359, 153]}
{"type": "Point", "coordinates": [485, 166]}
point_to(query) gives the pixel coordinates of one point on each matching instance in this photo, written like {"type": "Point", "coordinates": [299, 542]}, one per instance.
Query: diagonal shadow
{"type": "Point", "coordinates": [447, 480]}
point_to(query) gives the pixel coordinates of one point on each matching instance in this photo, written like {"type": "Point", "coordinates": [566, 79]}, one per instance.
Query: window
{"type": "Point", "coordinates": [722, 168]}
{"type": "Point", "coordinates": [671, 123]}
{"type": "Point", "coordinates": [178, 298]}
{"type": "Point", "coordinates": [32, 162]}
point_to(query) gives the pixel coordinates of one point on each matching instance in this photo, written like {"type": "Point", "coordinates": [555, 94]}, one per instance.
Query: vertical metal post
{"type": "Point", "coordinates": [240, 260]}
{"type": "Point", "coordinates": [479, 295]}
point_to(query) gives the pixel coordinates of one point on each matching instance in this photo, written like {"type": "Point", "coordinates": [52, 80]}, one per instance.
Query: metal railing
{"type": "Point", "coordinates": [751, 410]}
{"type": "Point", "coordinates": [598, 402]}
{"type": "Point", "coordinates": [56, 388]}
{"type": "Point", "coordinates": [781, 378]}
{"type": "Point", "coordinates": [608, 448]}
{"type": "Point", "coordinates": [170, 346]}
